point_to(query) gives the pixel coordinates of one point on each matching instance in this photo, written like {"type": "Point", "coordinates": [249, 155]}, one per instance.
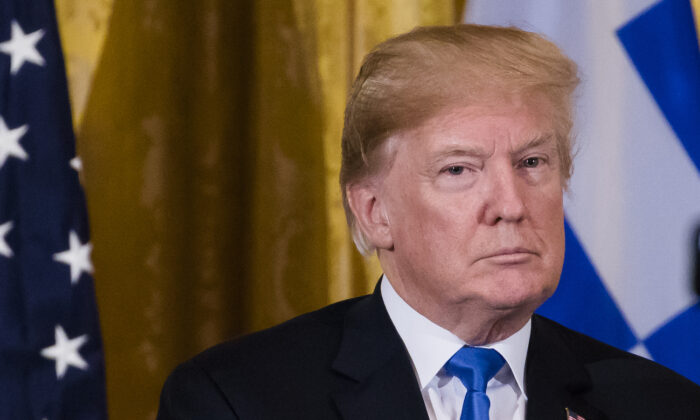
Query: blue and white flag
{"type": "Point", "coordinates": [51, 362]}
{"type": "Point", "coordinates": [633, 209]}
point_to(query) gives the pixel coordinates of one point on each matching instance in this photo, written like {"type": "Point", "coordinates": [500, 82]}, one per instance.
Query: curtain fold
{"type": "Point", "coordinates": [210, 138]}
{"type": "Point", "coordinates": [696, 14]}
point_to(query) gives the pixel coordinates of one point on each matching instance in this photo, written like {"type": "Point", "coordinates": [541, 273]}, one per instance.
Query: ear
{"type": "Point", "coordinates": [370, 214]}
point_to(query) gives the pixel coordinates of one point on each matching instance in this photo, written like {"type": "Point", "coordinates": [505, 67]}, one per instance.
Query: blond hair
{"type": "Point", "coordinates": [412, 77]}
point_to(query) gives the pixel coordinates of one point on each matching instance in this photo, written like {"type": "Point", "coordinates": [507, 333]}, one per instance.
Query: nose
{"type": "Point", "coordinates": [504, 198]}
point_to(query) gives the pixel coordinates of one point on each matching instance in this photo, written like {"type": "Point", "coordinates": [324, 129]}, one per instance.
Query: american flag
{"type": "Point", "coordinates": [51, 362]}
{"type": "Point", "coordinates": [570, 415]}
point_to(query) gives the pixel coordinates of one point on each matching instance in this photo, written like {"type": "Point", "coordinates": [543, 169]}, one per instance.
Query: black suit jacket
{"type": "Point", "coordinates": [347, 361]}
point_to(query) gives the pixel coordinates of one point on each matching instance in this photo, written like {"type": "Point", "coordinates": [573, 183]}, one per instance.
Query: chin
{"type": "Point", "coordinates": [526, 304]}
{"type": "Point", "coordinates": [520, 294]}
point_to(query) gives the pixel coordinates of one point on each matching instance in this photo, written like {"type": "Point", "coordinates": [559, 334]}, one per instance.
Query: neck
{"type": "Point", "coordinates": [484, 330]}
{"type": "Point", "coordinates": [470, 319]}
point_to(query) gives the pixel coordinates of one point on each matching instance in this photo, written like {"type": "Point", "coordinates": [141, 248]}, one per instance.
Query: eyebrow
{"type": "Point", "coordinates": [476, 152]}
{"type": "Point", "coordinates": [535, 142]}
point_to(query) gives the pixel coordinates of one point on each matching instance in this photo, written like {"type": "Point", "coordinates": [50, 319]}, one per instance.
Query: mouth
{"type": "Point", "coordinates": [509, 256]}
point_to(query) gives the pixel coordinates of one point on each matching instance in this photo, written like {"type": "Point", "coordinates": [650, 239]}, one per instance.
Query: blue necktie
{"type": "Point", "coordinates": [475, 366]}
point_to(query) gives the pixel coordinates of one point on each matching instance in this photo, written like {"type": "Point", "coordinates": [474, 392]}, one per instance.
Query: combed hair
{"type": "Point", "coordinates": [408, 79]}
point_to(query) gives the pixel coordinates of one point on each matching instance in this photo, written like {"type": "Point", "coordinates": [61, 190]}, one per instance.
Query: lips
{"type": "Point", "coordinates": [511, 255]}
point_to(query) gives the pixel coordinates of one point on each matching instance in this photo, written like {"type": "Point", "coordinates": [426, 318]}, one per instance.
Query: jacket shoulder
{"type": "Point", "coordinates": [624, 382]}
{"type": "Point", "coordinates": [311, 333]}
{"type": "Point", "coordinates": [248, 375]}
{"type": "Point", "coordinates": [586, 348]}
{"type": "Point", "coordinates": [189, 393]}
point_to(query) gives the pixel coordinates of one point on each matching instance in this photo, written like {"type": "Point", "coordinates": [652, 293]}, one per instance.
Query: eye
{"type": "Point", "coordinates": [455, 170]}
{"type": "Point", "coordinates": [531, 162]}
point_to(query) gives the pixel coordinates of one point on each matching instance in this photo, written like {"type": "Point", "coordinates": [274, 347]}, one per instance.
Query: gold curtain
{"type": "Point", "coordinates": [209, 132]}
{"type": "Point", "coordinates": [696, 14]}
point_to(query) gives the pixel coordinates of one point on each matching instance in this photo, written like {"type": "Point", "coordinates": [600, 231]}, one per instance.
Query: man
{"type": "Point", "coordinates": [456, 152]}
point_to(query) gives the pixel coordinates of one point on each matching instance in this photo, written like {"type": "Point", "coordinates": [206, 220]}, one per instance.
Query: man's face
{"type": "Point", "coordinates": [474, 206]}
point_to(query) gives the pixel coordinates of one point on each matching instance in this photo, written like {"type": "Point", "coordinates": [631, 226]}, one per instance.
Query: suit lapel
{"type": "Point", "coordinates": [372, 356]}
{"type": "Point", "coordinates": [554, 379]}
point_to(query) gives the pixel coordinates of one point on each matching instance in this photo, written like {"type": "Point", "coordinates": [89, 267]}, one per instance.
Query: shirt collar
{"type": "Point", "coordinates": [514, 350]}
{"type": "Point", "coordinates": [431, 346]}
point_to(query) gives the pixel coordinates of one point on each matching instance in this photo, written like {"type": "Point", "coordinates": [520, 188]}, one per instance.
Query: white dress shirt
{"type": "Point", "coordinates": [431, 346]}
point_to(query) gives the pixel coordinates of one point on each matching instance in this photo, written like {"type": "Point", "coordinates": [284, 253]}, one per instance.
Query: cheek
{"type": "Point", "coordinates": [546, 206]}
{"type": "Point", "coordinates": [426, 216]}
{"type": "Point", "coordinates": [450, 229]}
{"type": "Point", "coordinates": [551, 224]}
{"type": "Point", "coordinates": [434, 234]}
{"type": "Point", "coordinates": [559, 244]}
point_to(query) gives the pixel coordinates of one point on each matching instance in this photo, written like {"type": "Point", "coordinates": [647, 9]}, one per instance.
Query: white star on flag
{"type": "Point", "coordinates": [5, 249]}
{"type": "Point", "coordinates": [65, 352]}
{"type": "Point", "coordinates": [77, 256]}
{"type": "Point", "coordinates": [76, 163]}
{"type": "Point", "coordinates": [22, 47]}
{"type": "Point", "coordinates": [9, 142]}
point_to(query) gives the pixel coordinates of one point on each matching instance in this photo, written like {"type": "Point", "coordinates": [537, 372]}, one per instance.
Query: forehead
{"type": "Point", "coordinates": [510, 124]}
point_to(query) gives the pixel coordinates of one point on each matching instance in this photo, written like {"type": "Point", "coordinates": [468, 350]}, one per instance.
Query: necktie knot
{"type": "Point", "coordinates": [475, 366]}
